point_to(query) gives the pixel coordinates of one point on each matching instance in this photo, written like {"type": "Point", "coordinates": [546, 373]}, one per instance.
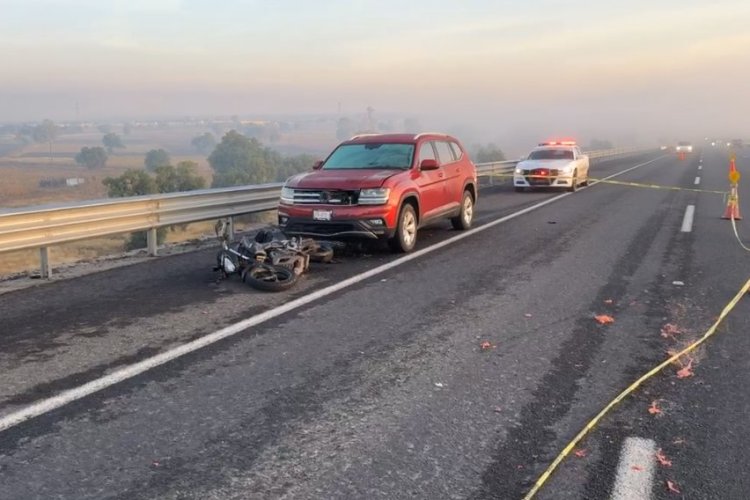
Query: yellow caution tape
{"type": "Point", "coordinates": [623, 183]}
{"type": "Point", "coordinates": [736, 201]}
{"type": "Point", "coordinates": [566, 451]}
{"type": "Point", "coordinates": [655, 186]}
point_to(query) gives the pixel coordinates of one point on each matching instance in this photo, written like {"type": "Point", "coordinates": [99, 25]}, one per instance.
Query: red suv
{"type": "Point", "coordinates": [382, 186]}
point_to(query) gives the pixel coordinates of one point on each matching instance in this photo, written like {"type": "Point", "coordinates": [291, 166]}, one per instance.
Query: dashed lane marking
{"type": "Point", "coordinates": [635, 472]}
{"type": "Point", "coordinates": [687, 220]}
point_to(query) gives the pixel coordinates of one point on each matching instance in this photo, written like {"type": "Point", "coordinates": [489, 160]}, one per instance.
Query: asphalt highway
{"type": "Point", "coordinates": [458, 374]}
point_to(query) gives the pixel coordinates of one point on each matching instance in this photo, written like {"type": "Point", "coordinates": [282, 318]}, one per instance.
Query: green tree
{"type": "Point", "coordinates": [94, 157]}
{"type": "Point", "coordinates": [183, 177]}
{"type": "Point", "coordinates": [237, 160]}
{"type": "Point", "coordinates": [488, 153]}
{"type": "Point", "coordinates": [133, 182]}
{"type": "Point", "coordinates": [46, 131]}
{"type": "Point", "coordinates": [293, 165]}
{"type": "Point", "coordinates": [157, 158]}
{"type": "Point", "coordinates": [112, 141]}
{"type": "Point", "coordinates": [204, 143]}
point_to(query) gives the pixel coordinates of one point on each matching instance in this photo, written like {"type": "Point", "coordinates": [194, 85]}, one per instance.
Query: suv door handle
{"type": "Point", "coordinates": [440, 175]}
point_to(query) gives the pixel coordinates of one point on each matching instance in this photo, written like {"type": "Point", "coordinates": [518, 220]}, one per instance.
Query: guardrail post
{"type": "Point", "coordinates": [492, 176]}
{"type": "Point", "coordinates": [151, 242]}
{"type": "Point", "coordinates": [45, 270]}
{"type": "Point", "coordinates": [230, 228]}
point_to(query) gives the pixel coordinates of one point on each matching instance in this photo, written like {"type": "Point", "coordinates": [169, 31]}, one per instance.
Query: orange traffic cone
{"type": "Point", "coordinates": [733, 207]}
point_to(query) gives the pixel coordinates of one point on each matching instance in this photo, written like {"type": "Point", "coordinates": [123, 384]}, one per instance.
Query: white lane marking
{"type": "Point", "coordinates": [687, 220]}
{"type": "Point", "coordinates": [697, 180]}
{"type": "Point", "coordinates": [700, 167]}
{"type": "Point", "coordinates": [46, 405]}
{"type": "Point", "coordinates": [635, 472]}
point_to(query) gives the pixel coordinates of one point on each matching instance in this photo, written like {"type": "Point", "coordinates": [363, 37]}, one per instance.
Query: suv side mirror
{"type": "Point", "coordinates": [429, 164]}
{"type": "Point", "coordinates": [317, 165]}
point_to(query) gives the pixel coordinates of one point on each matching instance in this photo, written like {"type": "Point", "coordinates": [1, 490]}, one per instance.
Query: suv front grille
{"type": "Point", "coordinates": [325, 197]}
{"type": "Point", "coordinates": [315, 228]}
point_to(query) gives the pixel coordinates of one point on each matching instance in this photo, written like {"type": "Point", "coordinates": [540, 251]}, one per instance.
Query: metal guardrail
{"type": "Point", "coordinates": [41, 227]}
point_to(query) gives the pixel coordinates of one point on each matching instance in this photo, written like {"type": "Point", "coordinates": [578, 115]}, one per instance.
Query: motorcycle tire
{"type": "Point", "coordinates": [324, 254]}
{"type": "Point", "coordinates": [268, 278]}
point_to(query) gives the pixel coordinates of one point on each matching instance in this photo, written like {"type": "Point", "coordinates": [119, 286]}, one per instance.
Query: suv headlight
{"type": "Point", "coordinates": [519, 171]}
{"type": "Point", "coordinates": [378, 196]}
{"type": "Point", "coordinates": [287, 195]}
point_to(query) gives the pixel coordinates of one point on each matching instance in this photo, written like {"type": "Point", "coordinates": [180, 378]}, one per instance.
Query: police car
{"type": "Point", "coordinates": [554, 164]}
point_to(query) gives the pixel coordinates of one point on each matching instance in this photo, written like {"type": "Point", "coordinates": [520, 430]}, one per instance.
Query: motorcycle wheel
{"type": "Point", "coordinates": [324, 254]}
{"type": "Point", "coordinates": [269, 278]}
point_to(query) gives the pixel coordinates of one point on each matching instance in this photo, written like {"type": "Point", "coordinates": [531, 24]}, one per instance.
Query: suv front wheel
{"type": "Point", "coordinates": [463, 220]}
{"type": "Point", "coordinates": [405, 238]}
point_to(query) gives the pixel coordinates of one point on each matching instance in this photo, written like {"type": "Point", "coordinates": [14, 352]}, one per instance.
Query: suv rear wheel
{"type": "Point", "coordinates": [405, 238]}
{"type": "Point", "coordinates": [463, 220]}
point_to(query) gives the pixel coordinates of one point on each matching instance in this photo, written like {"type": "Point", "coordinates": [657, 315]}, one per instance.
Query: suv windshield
{"type": "Point", "coordinates": [683, 143]}
{"type": "Point", "coordinates": [371, 155]}
{"type": "Point", "coordinates": [551, 154]}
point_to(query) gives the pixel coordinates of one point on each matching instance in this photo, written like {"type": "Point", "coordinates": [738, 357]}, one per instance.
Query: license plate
{"type": "Point", "coordinates": [322, 214]}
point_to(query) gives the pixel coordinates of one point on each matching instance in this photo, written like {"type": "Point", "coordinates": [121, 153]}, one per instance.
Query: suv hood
{"type": "Point", "coordinates": [343, 179]}
{"type": "Point", "coordinates": [532, 164]}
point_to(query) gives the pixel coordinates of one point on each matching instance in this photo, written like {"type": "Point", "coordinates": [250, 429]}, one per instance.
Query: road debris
{"type": "Point", "coordinates": [669, 331]}
{"type": "Point", "coordinates": [439, 384]}
{"type": "Point", "coordinates": [581, 453]}
{"type": "Point", "coordinates": [686, 371]}
{"type": "Point", "coordinates": [672, 487]}
{"type": "Point", "coordinates": [604, 319]}
{"type": "Point", "coordinates": [486, 345]}
{"type": "Point", "coordinates": [662, 458]}
{"type": "Point", "coordinates": [654, 408]}
{"type": "Point", "coordinates": [609, 302]}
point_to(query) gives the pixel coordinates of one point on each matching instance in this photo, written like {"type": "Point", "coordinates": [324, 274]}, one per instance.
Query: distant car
{"type": "Point", "coordinates": [382, 186]}
{"type": "Point", "coordinates": [684, 147]}
{"type": "Point", "coordinates": [737, 143]}
{"type": "Point", "coordinates": [555, 164]}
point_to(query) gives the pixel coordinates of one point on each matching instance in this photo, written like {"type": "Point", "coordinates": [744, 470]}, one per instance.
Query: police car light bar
{"type": "Point", "coordinates": [558, 143]}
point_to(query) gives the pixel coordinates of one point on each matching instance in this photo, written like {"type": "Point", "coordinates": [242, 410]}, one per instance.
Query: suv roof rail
{"type": "Point", "coordinates": [421, 134]}
{"type": "Point", "coordinates": [357, 136]}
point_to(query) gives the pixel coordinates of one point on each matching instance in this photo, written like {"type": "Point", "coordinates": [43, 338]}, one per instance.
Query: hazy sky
{"type": "Point", "coordinates": [622, 67]}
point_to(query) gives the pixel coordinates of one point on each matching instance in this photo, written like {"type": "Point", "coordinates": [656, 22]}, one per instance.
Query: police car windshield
{"type": "Point", "coordinates": [551, 154]}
